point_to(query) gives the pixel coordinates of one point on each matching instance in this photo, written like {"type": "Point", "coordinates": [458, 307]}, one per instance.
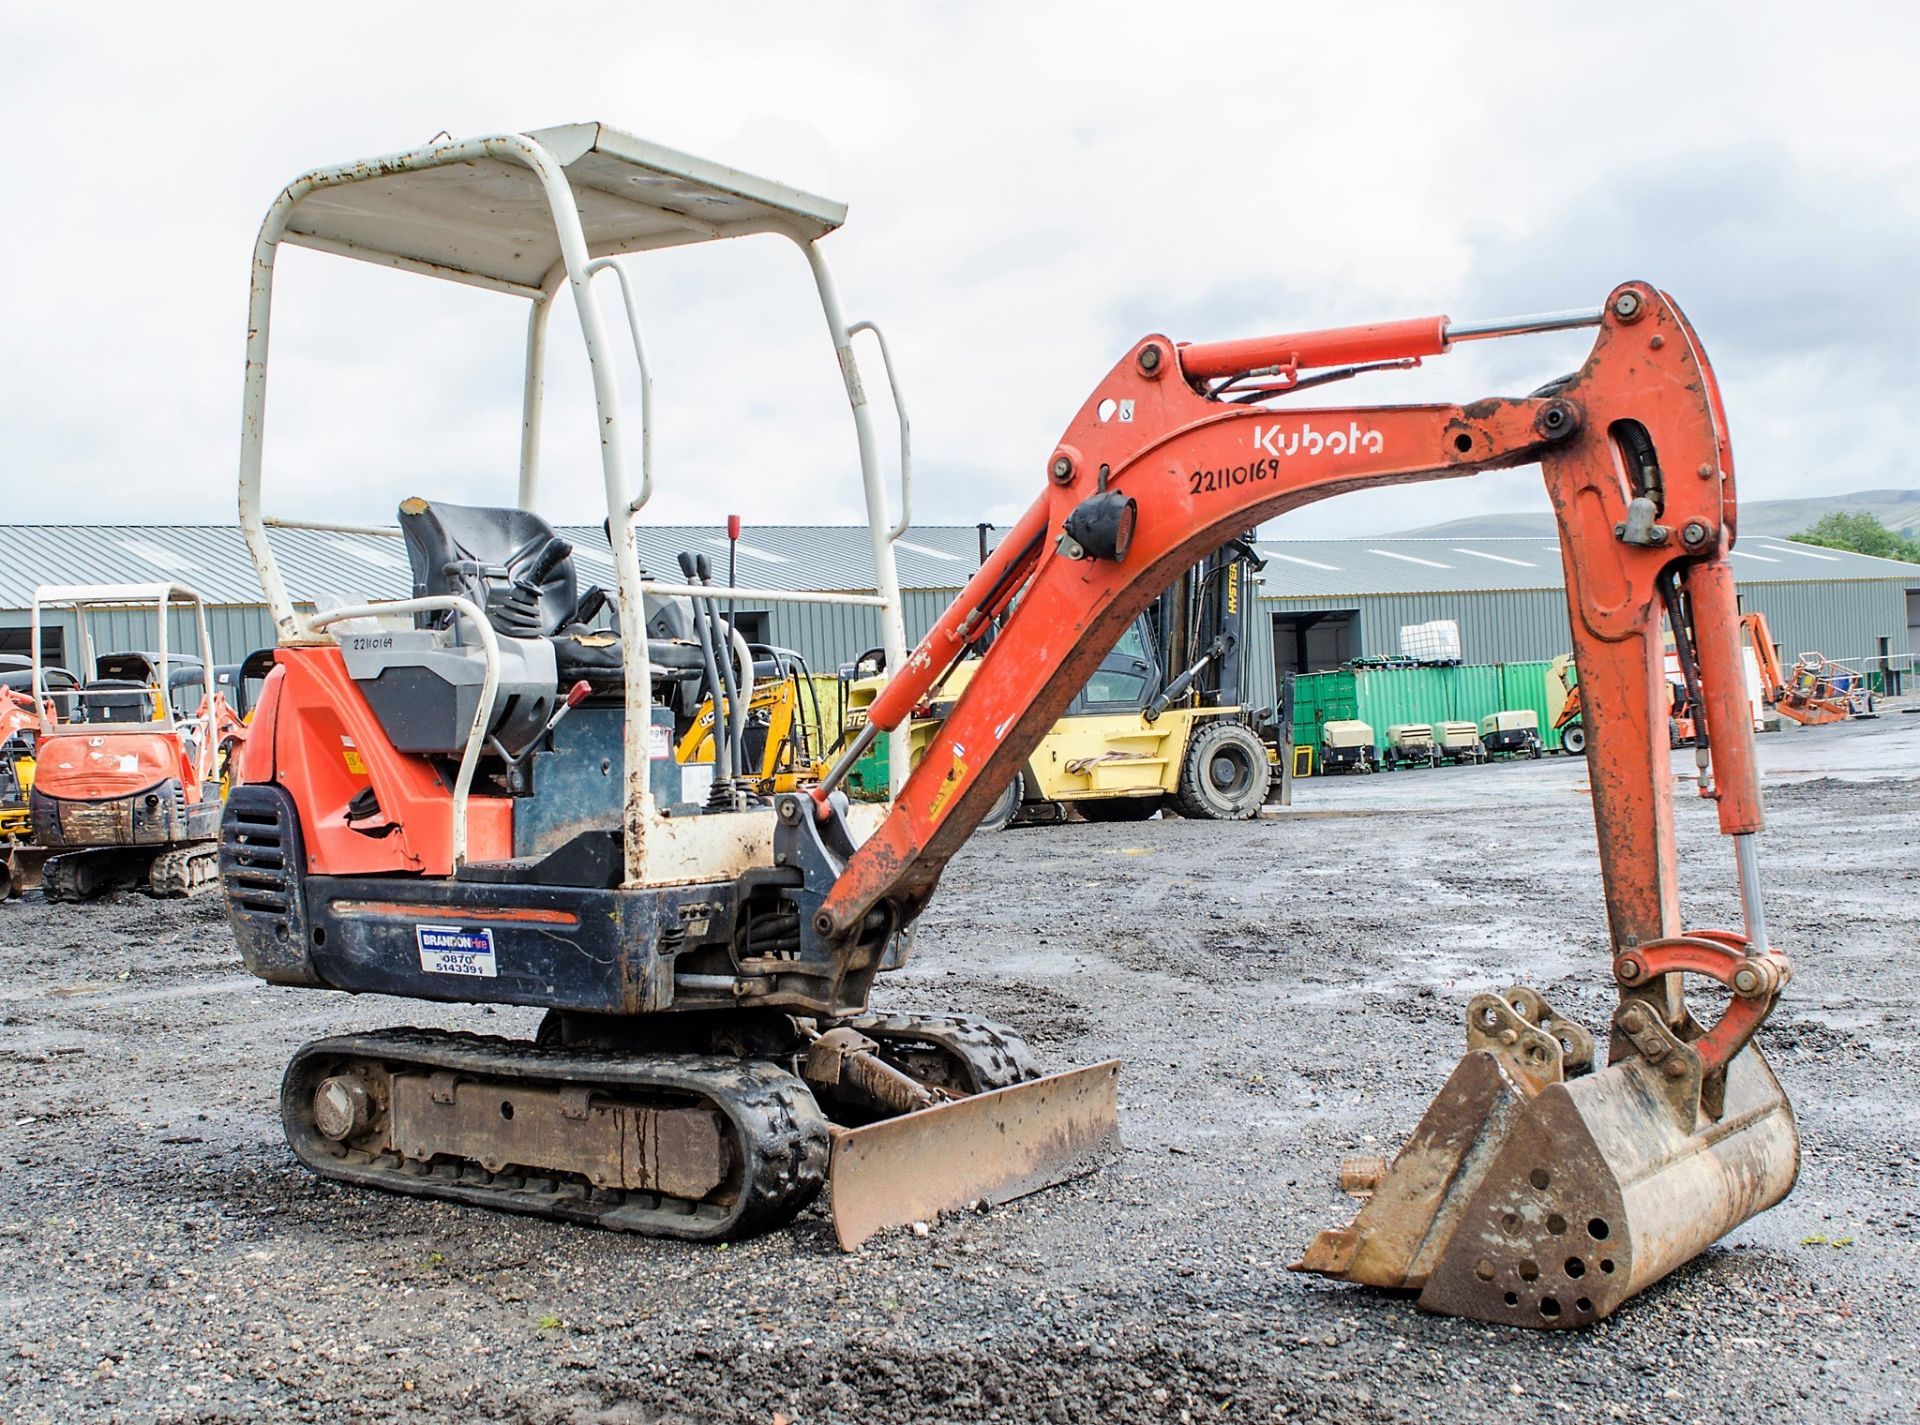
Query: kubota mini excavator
{"type": "Point", "coordinates": [127, 786]}
{"type": "Point", "coordinates": [709, 1063]}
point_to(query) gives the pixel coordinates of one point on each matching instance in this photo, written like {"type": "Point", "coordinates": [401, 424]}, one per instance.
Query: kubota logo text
{"type": "Point", "coordinates": [1276, 440]}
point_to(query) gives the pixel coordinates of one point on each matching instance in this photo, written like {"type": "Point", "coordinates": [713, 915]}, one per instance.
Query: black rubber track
{"type": "Point", "coordinates": [779, 1139]}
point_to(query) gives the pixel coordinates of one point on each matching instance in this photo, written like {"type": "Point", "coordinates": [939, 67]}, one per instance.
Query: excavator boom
{"type": "Point", "coordinates": [1175, 450]}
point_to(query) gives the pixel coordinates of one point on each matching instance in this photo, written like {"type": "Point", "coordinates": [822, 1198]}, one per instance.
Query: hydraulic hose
{"type": "Point", "coordinates": [735, 726]}
{"type": "Point", "coordinates": [722, 744]}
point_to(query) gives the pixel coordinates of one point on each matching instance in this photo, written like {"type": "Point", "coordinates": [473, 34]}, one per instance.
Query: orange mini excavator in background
{"type": "Point", "coordinates": [126, 788]}
{"type": "Point", "coordinates": [449, 797]}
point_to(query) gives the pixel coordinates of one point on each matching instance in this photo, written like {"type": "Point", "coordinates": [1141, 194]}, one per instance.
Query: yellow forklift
{"type": "Point", "coordinates": [1161, 725]}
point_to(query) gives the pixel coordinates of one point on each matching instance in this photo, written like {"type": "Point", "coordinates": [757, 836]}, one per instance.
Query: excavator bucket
{"type": "Point", "coordinates": [992, 1147]}
{"type": "Point", "coordinates": [1537, 1192]}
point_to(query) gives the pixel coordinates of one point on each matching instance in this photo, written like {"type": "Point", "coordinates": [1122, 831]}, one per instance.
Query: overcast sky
{"type": "Point", "coordinates": [1031, 188]}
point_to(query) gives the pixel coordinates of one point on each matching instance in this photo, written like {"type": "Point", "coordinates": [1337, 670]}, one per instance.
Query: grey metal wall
{"type": "Point", "coordinates": [1506, 626]}
{"type": "Point", "coordinates": [827, 635]}
{"type": "Point", "coordinates": [1841, 618]}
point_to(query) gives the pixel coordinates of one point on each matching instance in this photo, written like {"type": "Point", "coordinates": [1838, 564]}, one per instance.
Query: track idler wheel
{"type": "Point", "coordinates": [1537, 1195]}
{"type": "Point", "coordinates": [84, 874]}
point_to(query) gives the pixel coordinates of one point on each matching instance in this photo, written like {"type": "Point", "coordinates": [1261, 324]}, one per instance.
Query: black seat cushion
{"type": "Point", "coordinates": [594, 654]}
{"type": "Point", "coordinates": [117, 700]}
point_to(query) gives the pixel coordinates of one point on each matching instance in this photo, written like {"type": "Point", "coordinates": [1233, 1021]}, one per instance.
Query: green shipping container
{"type": "Point", "coordinates": [1386, 697]}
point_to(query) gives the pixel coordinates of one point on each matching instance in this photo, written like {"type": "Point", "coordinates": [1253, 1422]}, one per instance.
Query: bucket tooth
{"type": "Point", "coordinates": [991, 1147]}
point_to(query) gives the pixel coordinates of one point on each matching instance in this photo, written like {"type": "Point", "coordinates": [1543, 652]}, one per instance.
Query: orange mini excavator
{"type": "Point", "coordinates": [452, 796]}
{"type": "Point", "coordinates": [126, 789]}
{"type": "Point", "coordinates": [20, 719]}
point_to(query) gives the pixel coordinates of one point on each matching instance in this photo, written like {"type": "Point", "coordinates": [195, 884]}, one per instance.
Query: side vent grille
{"type": "Point", "coordinates": [262, 864]}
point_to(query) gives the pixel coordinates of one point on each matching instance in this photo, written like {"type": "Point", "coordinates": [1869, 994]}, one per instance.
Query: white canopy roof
{"type": "Point", "coordinates": [487, 219]}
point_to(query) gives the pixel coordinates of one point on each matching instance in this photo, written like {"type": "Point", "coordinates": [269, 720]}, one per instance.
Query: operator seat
{"type": "Point", "coordinates": [117, 700]}
{"type": "Point", "coordinates": [513, 566]}
{"type": "Point", "coordinates": [509, 562]}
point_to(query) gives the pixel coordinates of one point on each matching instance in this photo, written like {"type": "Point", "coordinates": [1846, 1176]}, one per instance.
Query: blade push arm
{"type": "Point", "coordinates": [1635, 456]}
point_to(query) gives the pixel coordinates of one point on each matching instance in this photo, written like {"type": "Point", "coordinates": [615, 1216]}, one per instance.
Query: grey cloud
{"type": "Point", "coordinates": [1772, 258]}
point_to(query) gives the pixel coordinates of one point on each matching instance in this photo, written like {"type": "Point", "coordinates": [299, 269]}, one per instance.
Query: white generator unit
{"type": "Point", "coordinates": [1346, 745]}
{"type": "Point", "coordinates": [1512, 732]}
{"type": "Point", "coordinates": [1410, 744]}
{"type": "Point", "coordinates": [1458, 742]}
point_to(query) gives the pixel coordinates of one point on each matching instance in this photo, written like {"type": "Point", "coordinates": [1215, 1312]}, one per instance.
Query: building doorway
{"type": "Point", "coordinates": [1313, 642]}
{"type": "Point", "coordinates": [752, 624]}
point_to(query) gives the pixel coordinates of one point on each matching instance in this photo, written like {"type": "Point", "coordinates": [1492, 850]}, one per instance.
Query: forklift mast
{"type": "Point", "coordinates": [1200, 627]}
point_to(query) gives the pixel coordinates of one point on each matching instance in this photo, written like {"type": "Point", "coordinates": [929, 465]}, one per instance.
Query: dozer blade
{"type": "Point", "coordinates": [20, 869]}
{"type": "Point", "coordinates": [1530, 1199]}
{"type": "Point", "coordinates": [993, 1146]}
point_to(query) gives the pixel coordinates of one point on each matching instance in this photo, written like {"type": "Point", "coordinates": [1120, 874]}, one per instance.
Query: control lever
{"type": "Point", "coordinates": [735, 725]}
{"type": "Point", "coordinates": [576, 695]}
{"type": "Point", "coordinates": [557, 552]}
{"type": "Point", "coordinates": [516, 778]}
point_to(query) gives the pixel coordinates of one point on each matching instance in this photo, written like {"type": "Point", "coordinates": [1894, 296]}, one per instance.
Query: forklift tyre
{"type": "Point", "coordinates": [1573, 740]}
{"type": "Point", "coordinates": [1004, 809]}
{"type": "Point", "coordinates": [1224, 775]}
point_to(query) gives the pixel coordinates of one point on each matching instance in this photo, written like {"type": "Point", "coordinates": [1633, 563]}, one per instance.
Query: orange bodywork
{"type": "Point", "coordinates": [76, 764]}
{"type": "Point", "coordinates": [17, 713]}
{"type": "Point", "coordinates": [315, 735]}
{"type": "Point", "coordinates": [89, 762]}
{"type": "Point", "coordinates": [1200, 469]}
{"type": "Point", "coordinates": [1570, 709]}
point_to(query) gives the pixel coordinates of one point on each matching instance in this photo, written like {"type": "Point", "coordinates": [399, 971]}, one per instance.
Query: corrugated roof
{"type": "Point", "coordinates": [1325, 568]}
{"type": "Point", "coordinates": [213, 560]}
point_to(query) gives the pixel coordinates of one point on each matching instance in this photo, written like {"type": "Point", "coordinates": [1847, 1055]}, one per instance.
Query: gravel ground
{"type": "Point", "coordinates": [1283, 993]}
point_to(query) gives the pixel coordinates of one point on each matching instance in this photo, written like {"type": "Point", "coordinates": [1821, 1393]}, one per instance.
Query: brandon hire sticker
{"type": "Point", "coordinates": [449, 950]}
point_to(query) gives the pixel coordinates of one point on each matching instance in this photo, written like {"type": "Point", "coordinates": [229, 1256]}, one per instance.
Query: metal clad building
{"type": "Point", "coordinates": [1332, 600]}
{"type": "Point", "coordinates": [1319, 602]}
